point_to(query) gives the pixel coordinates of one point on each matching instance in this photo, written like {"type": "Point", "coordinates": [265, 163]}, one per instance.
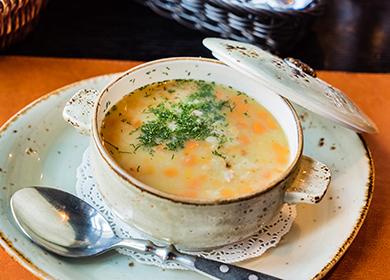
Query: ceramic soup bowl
{"type": "Point", "coordinates": [191, 224]}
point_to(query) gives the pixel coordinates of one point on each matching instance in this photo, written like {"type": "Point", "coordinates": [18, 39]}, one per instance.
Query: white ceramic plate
{"type": "Point", "coordinates": [38, 148]}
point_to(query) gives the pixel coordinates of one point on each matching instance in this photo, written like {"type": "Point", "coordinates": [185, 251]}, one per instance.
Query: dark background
{"type": "Point", "coordinates": [352, 35]}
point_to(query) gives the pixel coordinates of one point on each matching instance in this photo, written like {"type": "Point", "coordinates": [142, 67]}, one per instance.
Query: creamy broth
{"type": "Point", "coordinates": [196, 139]}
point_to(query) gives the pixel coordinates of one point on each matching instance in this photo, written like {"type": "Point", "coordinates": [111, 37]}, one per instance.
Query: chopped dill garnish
{"type": "Point", "coordinates": [115, 147]}
{"type": "Point", "coordinates": [197, 117]}
{"type": "Point", "coordinates": [112, 145]}
{"type": "Point", "coordinates": [133, 131]}
{"type": "Point", "coordinates": [218, 154]}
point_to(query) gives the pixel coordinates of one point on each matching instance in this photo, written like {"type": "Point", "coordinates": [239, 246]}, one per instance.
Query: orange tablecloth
{"type": "Point", "coordinates": [23, 79]}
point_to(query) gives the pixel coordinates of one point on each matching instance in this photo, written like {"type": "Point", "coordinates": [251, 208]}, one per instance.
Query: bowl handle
{"type": "Point", "coordinates": [310, 184]}
{"type": "Point", "coordinates": [78, 110]}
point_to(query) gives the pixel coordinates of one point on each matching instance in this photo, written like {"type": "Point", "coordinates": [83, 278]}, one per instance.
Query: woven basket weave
{"type": "Point", "coordinates": [17, 18]}
{"type": "Point", "coordinates": [240, 20]}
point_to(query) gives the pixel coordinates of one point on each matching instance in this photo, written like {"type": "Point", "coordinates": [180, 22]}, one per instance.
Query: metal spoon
{"type": "Point", "coordinates": [68, 226]}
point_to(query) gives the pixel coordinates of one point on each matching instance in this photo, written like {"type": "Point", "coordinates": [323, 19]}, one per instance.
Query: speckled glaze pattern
{"type": "Point", "coordinates": [203, 224]}
{"type": "Point", "coordinates": [318, 238]}
{"type": "Point", "coordinates": [264, 239]}
{"type": "Point", "coordinates": [307, 186]}
{"type": "Point", "coordinates": [292, 82]}
{"type": "Point", "coordinates": [83, 101]}
{"type": "Point", "coordinates": [188, 226]}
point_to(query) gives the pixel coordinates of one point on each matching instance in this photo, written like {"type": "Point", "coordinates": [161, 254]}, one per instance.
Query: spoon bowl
{"type": "Point", "coordinates": [62, 223]}
{"type": "Point", "coordinates": [68, 226]}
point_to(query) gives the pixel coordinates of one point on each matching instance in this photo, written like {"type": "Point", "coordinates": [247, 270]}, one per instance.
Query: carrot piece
{"type": "Point", "coordinates": [281, 153]}
{"type": "Point", "coordinates": [171, 172]}
{"type": "Point", "coordinates": [219, 94]}
{"type": "Point", "coordinates": [282, 159]}
{"type": "Point", "coordinates": [227, 192]}
{"type": "Point", "coordinates": [240, 108]}
{"type": "Point", "coordinates": [190, 146]}
{"type": "Point", "coordinates": [246, 189]}
{"type": "Point", "coordinates": [241, 125]}
{"type": "Point", "coordinates": [197, 182]}
{"type": "Point", "coordinates": [192, 193]}
{"type": "Point", "coordinates": [267, 118]}
{"type": "Point", "coordinates": [271, 123]}
{"type": "Point", "coordinates": [243, 139]}
{"type": "Point", "coordinates": [258, 128]}
{"type": "Point", "coordinates": [190, 160]}
{"type": "Point", "coordinates": [279, 148]}
{"type": "Point", "coordinates": [137, 123]}
{"type": "Point", "coordinates": [267, 175]}
{"type": "Point", "coordinates": [194, 187]}
{"type": "Point", "coordinates": [261, 114]}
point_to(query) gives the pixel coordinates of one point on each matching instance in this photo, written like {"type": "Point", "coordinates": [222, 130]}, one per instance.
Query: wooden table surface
{"type": "Point", "coordinates": [23, 79]}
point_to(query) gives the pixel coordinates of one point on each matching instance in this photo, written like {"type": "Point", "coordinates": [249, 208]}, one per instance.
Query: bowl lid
{"type": "Point", "coordinates": [293, 80]}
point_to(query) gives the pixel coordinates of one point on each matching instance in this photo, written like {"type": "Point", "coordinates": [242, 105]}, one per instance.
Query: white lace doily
{"type": "Point", "coordinates": [254, 246]}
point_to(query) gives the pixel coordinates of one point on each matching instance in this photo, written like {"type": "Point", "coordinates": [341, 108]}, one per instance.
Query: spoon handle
{"type": "Point", "coordinates": [211, 268]}
{"type": "Point", "coordinates": [225, 271]}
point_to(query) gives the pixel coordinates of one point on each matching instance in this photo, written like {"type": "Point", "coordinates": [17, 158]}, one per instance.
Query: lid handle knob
{"type": "Point", "coordinates": [299, 65]}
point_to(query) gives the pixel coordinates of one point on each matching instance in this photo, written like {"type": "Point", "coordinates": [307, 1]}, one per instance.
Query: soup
{"type": "Point", "coordinates": [196, 139]}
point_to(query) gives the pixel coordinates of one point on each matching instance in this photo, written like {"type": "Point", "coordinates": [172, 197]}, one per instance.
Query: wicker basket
{"type": "Point", "coordinates": [240, 20]}
{"type": "Point", "coordinates": [17, 17]}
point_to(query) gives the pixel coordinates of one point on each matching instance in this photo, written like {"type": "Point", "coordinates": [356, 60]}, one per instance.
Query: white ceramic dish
{"type": "Point", "coordinates": [193, 224]}
{"type": "Point", "coordinates": [38, 147]}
